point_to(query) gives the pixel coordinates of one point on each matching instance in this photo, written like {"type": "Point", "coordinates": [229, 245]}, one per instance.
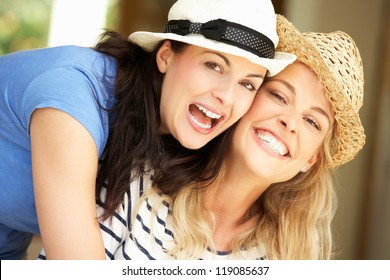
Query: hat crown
{"type": "Point", "coordinates": [342, 57]}
{"type": "Point", "coordinates": [258, 15]}
{"type": "Point", "coordinates": [243, 28]}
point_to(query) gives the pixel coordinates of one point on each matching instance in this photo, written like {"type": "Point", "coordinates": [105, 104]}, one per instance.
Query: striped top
{"type": "Point", "coordinates": [152, 235]}
{"type": "Point", "coordinates": [152, 229]}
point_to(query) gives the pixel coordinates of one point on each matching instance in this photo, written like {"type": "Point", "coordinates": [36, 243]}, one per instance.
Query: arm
{"type": "Point", "coordinates": [65, 160]}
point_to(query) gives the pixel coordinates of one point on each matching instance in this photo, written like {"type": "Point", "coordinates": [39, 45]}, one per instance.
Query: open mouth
{"type": "Point", "coordinates": [203, 117]}
{"type": "Point", "coordinates": [272, 143]}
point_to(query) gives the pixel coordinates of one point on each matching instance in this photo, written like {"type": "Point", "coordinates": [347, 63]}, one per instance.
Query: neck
{"type": "Point", "coordinates": [231, 197]}
{"type": "Point", "coordinates": [230, 200]}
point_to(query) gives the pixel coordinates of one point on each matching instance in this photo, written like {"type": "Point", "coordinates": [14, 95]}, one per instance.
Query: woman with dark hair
{"type": "Point", "coordinates": [64, 109]}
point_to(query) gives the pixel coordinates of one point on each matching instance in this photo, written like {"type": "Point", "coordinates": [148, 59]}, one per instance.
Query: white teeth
{"type": "Point", "coordinates": [202, 125]}
{"type": "Point", "coordinates": [208, 112]}
{"type": "Point", "coordinates": [273, 143]}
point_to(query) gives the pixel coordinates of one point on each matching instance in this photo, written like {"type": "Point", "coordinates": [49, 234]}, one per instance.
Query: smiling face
{"type": "Point", "coordinates": [204, 92]}
{"type": "Point", "coordinates": [285, 128]}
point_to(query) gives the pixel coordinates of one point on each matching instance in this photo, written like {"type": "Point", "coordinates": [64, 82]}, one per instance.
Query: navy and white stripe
{"type": "Point", "coordinates": [152, 229]}
{"type": "Point", "coordinates": [152, 235]}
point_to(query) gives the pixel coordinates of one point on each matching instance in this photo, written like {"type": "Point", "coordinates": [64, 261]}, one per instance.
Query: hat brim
{"type": "Point", "coordinates": [348, 137]}
{"type": "Point", "coordinates": [149, 40]}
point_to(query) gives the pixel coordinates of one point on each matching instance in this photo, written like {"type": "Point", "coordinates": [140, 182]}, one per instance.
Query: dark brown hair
{"type": "Point", "coordinates": [180, 167]}
{"type": "Point", "coordinates": [134, 140]}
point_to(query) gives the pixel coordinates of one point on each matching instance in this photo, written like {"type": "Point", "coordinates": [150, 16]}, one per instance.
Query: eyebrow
{"type": "Point", "coordinates": [256, 76]}
{"type": "Point", "coordinates": [293, 91]}
{"type": "Point", "coordinates": [287, 84]}
{"type": "Point", "coordinates": [322, 112]}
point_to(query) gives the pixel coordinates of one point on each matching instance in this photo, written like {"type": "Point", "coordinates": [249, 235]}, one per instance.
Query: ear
{"type": "Point", "coordinates": [310, 163]}
{"type": "Point", "coordinates": [164, 55]}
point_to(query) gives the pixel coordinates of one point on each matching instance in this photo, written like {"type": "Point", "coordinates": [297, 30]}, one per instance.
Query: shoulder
{"type": "Point", "coordinates": [153, 218]}
{"type": "Point", "coordinates": [56, 68]}
{"type": "Point", "coordinates": [116, 230]}
{"type": "Point", "coordinates": [151, 235]}
{"type": "Point", "coordinates": [55, 55]}
{"type": "Point", "coordinates": [36, 61]}
{"type": "Point", "coordinates": [130, 198]}
{"type": "Point", "coordinates": [81, 56]}
{"type": "Point", "coordinates": [155, 207]}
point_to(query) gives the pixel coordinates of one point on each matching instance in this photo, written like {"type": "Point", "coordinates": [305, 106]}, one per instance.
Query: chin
{"type": "Point", "coordinates": [191, 144]}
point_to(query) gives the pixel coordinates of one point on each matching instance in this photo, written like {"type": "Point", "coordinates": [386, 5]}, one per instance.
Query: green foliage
{"type": "Point", "coordinates": [23, 24]}
{"type": "Point", "coordinates": [112, 20]}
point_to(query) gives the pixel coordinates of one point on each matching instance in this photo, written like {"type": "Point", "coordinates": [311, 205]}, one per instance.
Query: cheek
{"type": "Point", "coordinates": [309, 146]}
{"type": "Point", "coordinates": [242, 105]}
{"type": "Point", "coordinates": [258, 108]}
{"type": "Point", "coordinates": [179, 69]}
{"type": "Point", "coordinates": [185, 77]}
{"type": "Point", "coordinates": [175, 82]}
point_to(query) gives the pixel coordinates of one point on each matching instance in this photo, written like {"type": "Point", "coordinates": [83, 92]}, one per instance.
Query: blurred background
{"type": "Point", "coordinates": [362, 222]}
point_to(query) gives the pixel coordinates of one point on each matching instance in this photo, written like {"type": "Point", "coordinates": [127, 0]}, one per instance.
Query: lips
{"type": "Point", "coordinates": [272, 142]}
{"type": "Point", "coordinates": [203, 117]}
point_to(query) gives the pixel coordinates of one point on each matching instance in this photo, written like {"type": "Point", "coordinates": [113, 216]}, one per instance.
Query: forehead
{"type": "Point", "coordinates": [297, 72]}
{"type": "Point", "coordinates": [299, 79]}
{"type": "Point", "coordinates": [238, 64]}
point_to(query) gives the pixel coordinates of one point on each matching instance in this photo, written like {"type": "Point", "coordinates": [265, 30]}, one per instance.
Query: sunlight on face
{"type": "Point", "coordinates": [204, 92]}
{"type": "Point", "coordinates": [285, 128]}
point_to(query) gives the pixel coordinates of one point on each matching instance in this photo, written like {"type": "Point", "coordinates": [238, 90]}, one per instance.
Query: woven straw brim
{"type": "Point", "coordinates": [336, 61]}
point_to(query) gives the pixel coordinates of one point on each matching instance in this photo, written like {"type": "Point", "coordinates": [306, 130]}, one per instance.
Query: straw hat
{"type": "Point", "coordinates": [336, 60]}
{"type": "Point", "coordinates": [245, 28]}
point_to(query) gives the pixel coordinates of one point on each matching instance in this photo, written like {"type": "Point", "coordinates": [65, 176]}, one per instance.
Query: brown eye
{"type": "Point", "coordinates": [214, 66]}
{"type": "Point", "coordinates": [249, 86]}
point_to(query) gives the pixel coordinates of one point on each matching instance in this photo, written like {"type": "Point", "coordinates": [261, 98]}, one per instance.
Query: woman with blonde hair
{"type": "Point", "coordinates": [266, 190]}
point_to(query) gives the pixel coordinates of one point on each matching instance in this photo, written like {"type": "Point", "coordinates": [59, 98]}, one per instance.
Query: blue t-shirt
{"type": "Point", "coordinates": [79, 81]}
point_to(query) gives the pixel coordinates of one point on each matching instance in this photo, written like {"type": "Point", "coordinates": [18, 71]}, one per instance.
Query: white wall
{"type": "Point", "coordinates": [77, 22]}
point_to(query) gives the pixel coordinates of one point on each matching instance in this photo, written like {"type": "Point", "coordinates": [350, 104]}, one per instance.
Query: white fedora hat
{"type": "Point", "coordinates": [245, 28]}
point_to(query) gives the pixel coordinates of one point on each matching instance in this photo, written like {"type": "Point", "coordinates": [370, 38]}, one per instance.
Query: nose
{"type": "Point", "coordinates": [289, 123]}
{"type": "Point", "coordinates": [224, 94]}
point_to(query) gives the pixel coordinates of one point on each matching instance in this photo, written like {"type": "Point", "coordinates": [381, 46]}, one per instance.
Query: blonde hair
{"type": "Point", "coordinates": [294, 217]}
